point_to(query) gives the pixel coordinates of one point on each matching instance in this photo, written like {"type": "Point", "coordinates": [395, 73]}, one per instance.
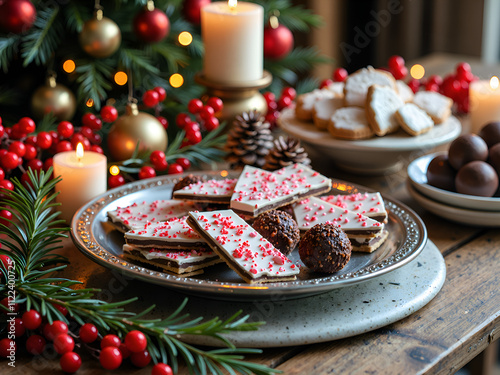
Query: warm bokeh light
{"type": "Point", "coordinates": [79, 151]}
{"type": "Point", "coordinates": [90, 102]}
{"type": "Point", "coordinates": [69, 66]}
{"type": "Point", "coordinates": [494, 82]}
{"type": "Point", "coordinates": [121, 78]}
{"type": "Point", "coordinates": [176, 80]}
{"type": "Point", "coordinates": [232, 3]}
{"type": "Point", "coordinates": [224, 173]}
{"type": "Point", "coordinates": [417, 71]}
{"type": "Point", "coordinates": [185, 38]}
{"type": "Point", "coordinates": [114, 170]}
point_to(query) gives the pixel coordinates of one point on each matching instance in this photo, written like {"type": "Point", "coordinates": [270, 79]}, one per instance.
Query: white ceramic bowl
{"type": "Point", "coordinates": [374, 156]}
{"type": "Point", "coordinates": [418, 179]}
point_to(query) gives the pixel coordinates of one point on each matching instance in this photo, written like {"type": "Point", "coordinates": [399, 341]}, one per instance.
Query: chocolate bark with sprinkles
{"type": "Point", "coordinates": [243, 249]}
{"type": "Point", "coordinates": [368, 204]}
{"type": "Point", "coordinates": [211, 191]}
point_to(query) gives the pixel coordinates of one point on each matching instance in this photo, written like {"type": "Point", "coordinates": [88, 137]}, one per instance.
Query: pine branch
{"type": "Point", "coordinates": [8, 47]}
{"type": "Point", "coordinates": [136, 61]}
{"type": "Point", "coordinates": [93, 80]}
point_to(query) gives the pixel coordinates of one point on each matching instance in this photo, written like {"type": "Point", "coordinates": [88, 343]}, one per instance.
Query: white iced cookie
{"type": "Point", "coordinates": [404, 91]}
{"type": "Point", "coordinates": [323, 110]}
{"type": "Point", "coordinates": [357, 84]}
{"type": "Point", "coordinates": [413, 119]}
{"type": "Point", "coordinates": [382, 102]}
{"type": "Point", "coordinates": [435, 104]}
{"type": "Point", "coordinates": [305, 103]}
{"type": "Point", "coordinates": [350, 123]}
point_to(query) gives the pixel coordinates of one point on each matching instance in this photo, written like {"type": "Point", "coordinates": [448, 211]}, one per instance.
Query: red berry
{"type": "Point", "coordinates": [192, 127]}
{"type": "Point", "coordinates": [2, 131]}
{"type": "Point", "coordinates": [140, 359]}
{"type": "Point", "coordinates": [115, 181]}
{"type": "Point", "coordinates": [10, 160]}
{"type": "Point", "coordinates": [30, 153]}
{"type": "Point", "coordinates": [58, 327]}
{"type": "Point", "coordinates": [110, 358]}
{"type": "Point", "coordinates": [211, 123]}
{"type": "Point", "coordinates": [35, 344]}
{"type": "Point", "coordinates": [70, 362]}
{"type": "Point", "coordinates": [182, 119]}
{"type": "Point", "coordinates": [400, 73]}
{"type": "Point", "coordinates": [146, 172]}
{"type": "Point", "coordinates": [157, 157]}
{"type": "Point", "coordinates": [96, 124]}
{"type": "Point", "coordinates": [161, 369]}
{"type": "Point", "coordinates": [6, 184]}
{"type": "Point", "coordinates": [7, 347]}
{"type": "Point", "coordinates": [109, 113]}
{"type": "Point", "coordinates": [91, 121]}
{"type": "Point", "coordinates": [462, 68]}
{"type": "Point", "coordinates": [35, 165]}
{"type": "Point", "coordinates": [272, 106]}
{"type": "Point", "coordinates": [414, 84]}
{"type": "Point", "coordinates": [339, 75]}
{"type": "Point", "coordinates": [325, 83]}
{"type": "Point", "coordinates": [272, 117]}
{"type": "Point", "coordinates": [269, 97]}
{"type": "Point", "coordinates": [4, 214]}
{"type": "Point", "coordinates": [429, 86]}
{"type": "Point", "coordinates": [162, 94]}
{"type": "Point", "coordinates": [207, 112]}
{"type": "Point", "coordinates": [395, 63]}
{"type": "Point", "coordinates": [18, 147]}
{"type": "Point", "coordinates": [32, 319]}
{"type": "Point", "coordinates": [30, 140]}
{"type": "Point", "coordinates": [88, 333]}
{"type": "Point", "coordinates": [27, 125]}
{"type": "Point", "coordinates": [284, 102]}
{"type": "Point", "coordinates": [49, 162]}
{"type": "Point", "coordinates": [65, 129]}
{"type": "Point", "coordinates": [124, 350]}
{"type": "Point", "coordinates": [136, 341]}
{"type": "Point", "coordinates": [2, 174]}
{"type": "Point", "coordinates": [12, 307]}
{"type": "Point", "coordinates": [175, 168]}
{"type": "Point", "coordinates": [63, 343]}
{"type": "Point", "coordinates": [64, 146]}
{"type": "Point", "coordinates": [194, 106]}
{"type": "Point", "coordinates": [44, 140]}
{"type": "Point", "coordinates": [435, 79]}
{"type": "Point", "coordinates": [163, 121]}
{"type": "Point", "coordinates": [150, 98]}
{"type": "Point", "coordinates": [110, 340]}
{"type": "Point", "coordinates": [289, 92]}
{"type": "Point", "coordinates": [216, 103]}
{"type": "Point", "coordinates": [19, 328]}
{"type": "Point", "coordinates": [184, 163]}
{"type": "Point", "coordinates": [194, 136]}
{"type": "Point", "coordinates": [161, 165]}
{"type": "Point", "coordinates": [63, 310]}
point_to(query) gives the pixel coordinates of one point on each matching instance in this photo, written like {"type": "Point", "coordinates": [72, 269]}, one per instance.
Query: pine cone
{"type": "Point", "coordinates": [248, 141]}
{"type": "Point", "coordinates": [285, 152]}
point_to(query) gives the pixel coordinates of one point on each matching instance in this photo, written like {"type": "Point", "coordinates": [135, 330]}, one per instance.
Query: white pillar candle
{"type": "Point", "coordinates": [83, 178]}
{"type": "Point", "coordinates": [484, 103]}
{"type": "Point", "coordinates": [233, 37]}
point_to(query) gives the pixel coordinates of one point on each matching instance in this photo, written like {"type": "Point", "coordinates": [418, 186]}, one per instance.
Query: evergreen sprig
{"type": "Point", "coordinates": [34, 234]}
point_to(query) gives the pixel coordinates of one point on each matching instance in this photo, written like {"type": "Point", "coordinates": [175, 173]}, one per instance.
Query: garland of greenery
{"type": "Point", "coordinates": [31, 238]}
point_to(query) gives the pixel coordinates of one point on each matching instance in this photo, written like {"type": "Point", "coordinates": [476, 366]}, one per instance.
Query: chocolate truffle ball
{"type": "Point", "coordinates": [188, 180]}
{"type": "Point", "coordinates": [490, 133]}
{"type": "Point", "coordinates": [477, 178]}
{"type": "Point", "coordinates": [325, 248]}
{"type": "Point", "coordinates": [279, 228]}
{"type": "Point", "coordinates": [494, 158]}
{"type": "Point", "coordinates": [440, 174]}
{"type": "Point", "coordinates": [467, 148]}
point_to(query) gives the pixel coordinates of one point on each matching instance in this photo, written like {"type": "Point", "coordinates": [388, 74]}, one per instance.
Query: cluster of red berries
{"type": "Point", "coordinates": [276, 105]}
{"type": "Point", "coordinates": [38, 335]}
{"type": "Point", "coordinates": [152, 98]}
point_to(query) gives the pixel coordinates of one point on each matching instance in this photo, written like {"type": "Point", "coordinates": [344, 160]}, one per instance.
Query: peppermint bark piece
{"type": "Point", "coordinates": [244, 250]}
{"type": "Point", "coordinates": [259, 191]}
{"type": "Point", "coordinates": [211, 191]}
{"type": "Point", "coordinates": [368, 204]}
{"type": "Point", "coordinates": [140, 213]}
{"type": "Point", "coordinates": [173, 234]}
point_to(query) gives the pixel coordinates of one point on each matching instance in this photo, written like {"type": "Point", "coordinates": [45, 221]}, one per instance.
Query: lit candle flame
{"type": "Point", "coordinates": [494, 82]}
{"type": "Point", "coordinates": [232, 4]}
{"type": "Point", "coordinates": [79, 151]}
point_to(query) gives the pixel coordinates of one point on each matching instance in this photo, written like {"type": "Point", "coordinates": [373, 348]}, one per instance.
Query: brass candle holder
{"type": "Point", "coordinates": [237, 97]}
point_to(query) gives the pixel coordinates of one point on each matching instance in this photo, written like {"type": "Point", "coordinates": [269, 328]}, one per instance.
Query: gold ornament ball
{"type": "Point", "coordinates": [55, 98]}
{"type": "Point", "coordinates": [134, 127]}
{"type": "Point", "coordinates": [100, 37]}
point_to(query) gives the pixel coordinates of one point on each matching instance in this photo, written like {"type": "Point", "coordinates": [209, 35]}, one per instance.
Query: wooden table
{"type": "Point", "coordinates": [460, 324]}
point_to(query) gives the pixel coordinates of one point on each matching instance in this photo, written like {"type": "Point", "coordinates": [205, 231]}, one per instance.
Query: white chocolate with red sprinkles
{"type": "Point", "coordinates": [244, 250]}
{"type": "Point", "coordinates": [312, 211]}
{"type": "Point", "coordinates": [140, 213]}
{"type": "Point", "coordinates": [211, 191]}
{"type": "Point", "coordinates": [258, 190]}
{"type": "Point", "coordinates": [171, 234]}
{"type": "Point", "coordinates": [368, 204]}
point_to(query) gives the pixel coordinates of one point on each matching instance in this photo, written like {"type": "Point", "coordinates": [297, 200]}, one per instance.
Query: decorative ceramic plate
{"type": "Point", "coordinates": [98, 240]}
{"type": "Point", "coordinates": [376, 155]}
{"type": "Point", "coordinates": [417, 176]}
{"type": "Point", "coordinates": [456, 214]}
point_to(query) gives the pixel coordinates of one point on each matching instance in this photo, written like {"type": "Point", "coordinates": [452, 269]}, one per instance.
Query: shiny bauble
{"type": "Point", "coordinates": [17, 16]}
{"type": "Point", "coordinates": [132, 128]}
{"type": "Point", "coordinates": [100, 36]}
{"type": "Point", "coordinates": [278, 42]}
{"type": "Point", "coordinates": [53, 98]}
{"type": "Point", "coordinates": [151, 25]}
{"type": "Point", "coordinates": [192, 10]}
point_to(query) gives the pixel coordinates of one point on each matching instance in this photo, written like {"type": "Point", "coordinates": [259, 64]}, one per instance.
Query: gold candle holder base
{"type": "Point", "coordinates": [237, 97]}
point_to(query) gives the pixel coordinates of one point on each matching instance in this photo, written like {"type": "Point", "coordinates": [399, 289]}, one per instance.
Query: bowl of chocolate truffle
{"type": "Point", "coordinates": [465, 177]}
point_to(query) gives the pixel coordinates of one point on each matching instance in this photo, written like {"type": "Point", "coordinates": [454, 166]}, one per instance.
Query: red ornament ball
{"type": "Point", "coordinates": [278, 42]}
{"type": "Point", "coordinates": [192, 10]}
{"type": "Point", "coordinates": [151, 25]}
{"type": "Point", "coordinates": [17, 16]}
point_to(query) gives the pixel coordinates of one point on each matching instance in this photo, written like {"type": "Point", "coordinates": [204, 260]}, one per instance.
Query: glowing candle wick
{"type": "Point", "coordinates": [494, 82]}
{"type": "Point", "coordinates": [232, 4]}
{"type": "Point", "coordinates": [79, 152]}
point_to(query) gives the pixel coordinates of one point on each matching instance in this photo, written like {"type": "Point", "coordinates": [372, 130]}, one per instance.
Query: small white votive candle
{"type": "Point", "coordinates": [484, 103]}
{"type": "Point", "coordinates": [83, 178]}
